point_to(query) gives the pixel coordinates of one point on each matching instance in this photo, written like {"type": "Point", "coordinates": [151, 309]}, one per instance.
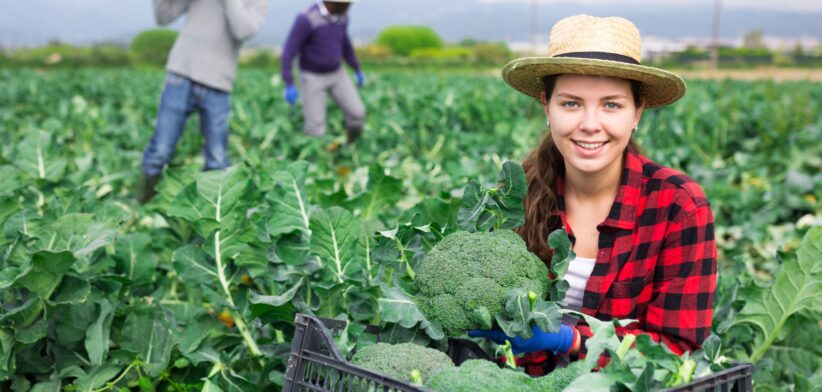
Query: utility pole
{"type": "Point", "coordinates": [534, 26]}
{"type": "Point", "coordinates": [715, 36]}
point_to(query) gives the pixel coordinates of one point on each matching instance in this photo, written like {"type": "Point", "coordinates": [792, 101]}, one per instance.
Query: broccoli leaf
{"type": "Point", "coordinates": [563, 254]}
{"type": "Point", "coordinates": [797, 287]}
{"type": "Point", "coordinates": [483, 316]}
{"type": "Point", "coordinates": [547, 315]}
{"type": "Point", "coordinates": [510, 194]}
{"type": "Point", "coordinates": [500, 207]}
{"type": "Point", "coordinates": [474, 216]}
{"type": "Point", "coordinates": [397, 307]}
{"type": "Point", "coordinates": [519, 315]}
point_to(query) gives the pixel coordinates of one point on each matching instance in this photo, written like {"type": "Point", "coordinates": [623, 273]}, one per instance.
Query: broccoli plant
{"type": "Point", "coordinates": [466, 279]}
{"type": "Point", "coordinates": [469, 277]}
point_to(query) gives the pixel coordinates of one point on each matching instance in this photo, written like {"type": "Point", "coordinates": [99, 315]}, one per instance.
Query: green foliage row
{"type": "Point", "coordinates": [197, 289]}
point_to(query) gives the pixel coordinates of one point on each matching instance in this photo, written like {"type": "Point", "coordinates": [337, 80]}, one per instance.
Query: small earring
{"type": "Point", "coordinates": [636, 128]}
{"type": "Point", "coordinates": [548, 123]}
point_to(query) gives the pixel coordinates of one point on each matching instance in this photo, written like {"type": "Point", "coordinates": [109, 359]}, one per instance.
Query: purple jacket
{"type": "Point", "coordinates": [321, 43]}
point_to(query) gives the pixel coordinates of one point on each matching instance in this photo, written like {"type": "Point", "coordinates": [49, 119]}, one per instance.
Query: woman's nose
{"type": "Point", "coordinates": [590, 121]}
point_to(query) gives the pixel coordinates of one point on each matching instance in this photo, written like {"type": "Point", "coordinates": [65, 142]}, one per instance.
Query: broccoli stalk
{"type": "Point", "coordinates": [416, 377]}
{"type": "Point", "coordinates": [508, 352]}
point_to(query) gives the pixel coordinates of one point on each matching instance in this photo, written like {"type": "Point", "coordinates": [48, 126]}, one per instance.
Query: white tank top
{"type": "Point", "coordinates": [579, 270]}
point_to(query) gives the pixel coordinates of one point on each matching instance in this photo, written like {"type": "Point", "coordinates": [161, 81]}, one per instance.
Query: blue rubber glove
{"type": "Point", "coordinates": [558, 342]}
{"type": "Point", "coordinates": [360, 78]}
{"type": "Point", "coordinates": [291, 94]}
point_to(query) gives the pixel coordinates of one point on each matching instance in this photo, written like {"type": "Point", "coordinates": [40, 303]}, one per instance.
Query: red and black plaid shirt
{"type": "Point", "coordinates": [656, 261]}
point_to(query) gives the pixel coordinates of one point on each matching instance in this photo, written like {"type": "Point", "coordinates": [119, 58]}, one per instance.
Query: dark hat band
{"type": "Point", "coordinates": [600, 56]}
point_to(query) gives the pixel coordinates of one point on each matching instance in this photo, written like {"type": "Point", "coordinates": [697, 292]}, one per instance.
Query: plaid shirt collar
{"type": "Point", "coordinates": [623, 211]}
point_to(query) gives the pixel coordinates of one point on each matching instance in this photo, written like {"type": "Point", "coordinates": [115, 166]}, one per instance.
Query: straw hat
{"type": "Point", "coordinates": [588, 45]}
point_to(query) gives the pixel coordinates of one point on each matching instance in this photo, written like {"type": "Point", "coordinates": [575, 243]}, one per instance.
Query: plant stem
{"type": "Point", "coordinates": [238, 319]}
{"type": "Point", "coordinates": [761, 350]}
{"type": "Point", "coordinates": [111, 384]}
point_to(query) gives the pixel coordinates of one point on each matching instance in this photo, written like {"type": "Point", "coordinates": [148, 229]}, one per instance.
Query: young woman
{"type": "Point", "coordinates": [642, 233]}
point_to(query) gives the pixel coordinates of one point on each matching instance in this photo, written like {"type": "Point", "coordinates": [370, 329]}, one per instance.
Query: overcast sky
{"type": "Point", "coordinates": [784, 5]}
{"type": "Point", "coordinates": [34, 22]}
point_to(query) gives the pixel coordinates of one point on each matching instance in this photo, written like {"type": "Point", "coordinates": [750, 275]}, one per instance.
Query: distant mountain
{"type": "Point", "coordinates": [35, 22]}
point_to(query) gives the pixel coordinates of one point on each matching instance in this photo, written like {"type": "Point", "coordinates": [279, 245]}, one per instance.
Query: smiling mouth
{"type": "Point", "coordinates": [589, 146]}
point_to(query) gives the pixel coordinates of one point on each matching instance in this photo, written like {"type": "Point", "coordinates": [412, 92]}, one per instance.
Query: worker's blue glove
{"type": "Point", "coordinates": [360, 78]}
{"type": "Point", "coordinates": [558, 342]}
{"type": "Point", "coordinates": [291, 95]}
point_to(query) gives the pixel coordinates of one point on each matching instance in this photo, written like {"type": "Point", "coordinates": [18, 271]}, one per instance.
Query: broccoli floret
{"type": "Point", "coordinates": [465, 271]}
{"type": "Point", "coordinates": [557, 380]}
{"type": "Point", "coordinates": [398, 360]}
{"type": "Point", "coordinates": [478, 375]}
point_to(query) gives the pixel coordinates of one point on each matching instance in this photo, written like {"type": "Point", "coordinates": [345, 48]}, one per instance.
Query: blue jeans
{"type": "Point", "coordinates": [180, 97]}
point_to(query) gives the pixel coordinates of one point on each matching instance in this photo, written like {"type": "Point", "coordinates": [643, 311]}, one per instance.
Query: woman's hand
{"type": "Point", "coordinates": [563, 341]}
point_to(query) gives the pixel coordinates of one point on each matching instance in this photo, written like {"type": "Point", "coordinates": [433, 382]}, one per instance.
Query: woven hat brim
{"type": "Point", "coordinates": [659, 87]}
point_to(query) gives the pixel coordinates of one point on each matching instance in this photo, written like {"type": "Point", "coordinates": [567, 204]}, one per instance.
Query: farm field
{"type": "Point", "coordinates": [99, 293]}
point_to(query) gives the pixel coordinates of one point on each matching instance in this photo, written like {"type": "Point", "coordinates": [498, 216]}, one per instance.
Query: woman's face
{"type": "Point", "coordinates": [591, 121]}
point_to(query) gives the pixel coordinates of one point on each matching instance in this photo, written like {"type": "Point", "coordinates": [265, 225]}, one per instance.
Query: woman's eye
{"type": "Point", "coordinates": [612, 105]}
{"type": "Point", "coordinates": [569, 104]}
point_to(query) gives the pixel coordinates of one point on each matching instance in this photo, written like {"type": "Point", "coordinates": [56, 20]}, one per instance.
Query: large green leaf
{"type": "Point", "coordinates": [37, 156]}
{"type": "Point", "coordinates": [510, 194]}
{"type": "Point", "coordinates": [334, 236]}
{"type": "Point", "coordinates": [134, 259]}
{"type": "Point", "coordinates": [46, 272]}
{"type": "Point", "coordinates": [32, 333]}
{"type": "Point", "coordinates": [395, 306]}
{"type": "Point", "coordinates": [213, 196]}
{"type": "Point", "coordinates": [275, 300]}
{"type": "Point", "coordinates": [97, 335]}
{"type": "Point", "coordinates": [9, 275]}
{"type": "Point", "coordinates": [47, 386]}
{"type": "Point", "coordinates": [97, 378]}
{"type": "Point", "coordinates": [7, 363]}
{"type": "Point", "coordinates": [72, 290]}
{"type": "Point", "coordinates": [196, 332]}
{"type": "Point", "coordinates": [148, 332]}
{"type": "Point", "coordinates": [473, 214]}
{"type": "Point", "coordinates": [797, 287]}
{"type": "Point", "coordinates": [73, 321]}
{"type": "Point", "coordinates": [81, 234]}
{"type": "Point", "coordinates": [222, 190]}
{"type": "Point", "coordinates": [382, 191]}
{"type": "Point", "coordinates": [193, 266]}
{"type": "Point", "coordinates": [289, 203]}
{"type": "Point", "coordinates": [9, 181]}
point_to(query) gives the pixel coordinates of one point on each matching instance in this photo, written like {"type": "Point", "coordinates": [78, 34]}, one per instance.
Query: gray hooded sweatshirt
{"type": "Point", "coordinates": [208, 46]}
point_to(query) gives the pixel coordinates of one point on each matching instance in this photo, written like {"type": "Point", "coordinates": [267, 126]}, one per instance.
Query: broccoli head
{"type": "Point", "coordinates": [466, 271]}
{"type": "Point", "coordinates": [398, 360]}
{"type": "Point", "coordinates": [557, 380]}
{"type": "Point", "coordinates": [477, 375]}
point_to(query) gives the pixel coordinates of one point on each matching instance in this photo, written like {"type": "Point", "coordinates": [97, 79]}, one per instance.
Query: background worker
{"type": "Point", "coordinates": [201, 69]}
{"type": "Point", "coordinates": [320, 39]}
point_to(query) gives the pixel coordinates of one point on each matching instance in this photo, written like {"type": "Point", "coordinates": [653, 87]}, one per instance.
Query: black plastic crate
{"type": "Point", "coordinates": [738, 378]}
{"type": "Point", "coordinates": [315, 364]}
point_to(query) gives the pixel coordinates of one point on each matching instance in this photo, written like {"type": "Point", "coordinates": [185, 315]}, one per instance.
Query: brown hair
{"type": "Point", "coordinates": [542, 169]}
